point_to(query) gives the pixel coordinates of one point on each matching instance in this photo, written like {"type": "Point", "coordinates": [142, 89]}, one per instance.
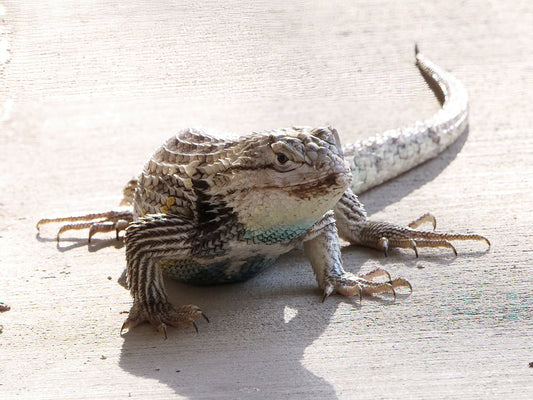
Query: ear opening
{"type": "Point", "coordinates": [329, 135]}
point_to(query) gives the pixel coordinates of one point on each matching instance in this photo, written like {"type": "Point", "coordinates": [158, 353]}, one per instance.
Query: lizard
{"type": "Point", "coordinates": [211, 210]}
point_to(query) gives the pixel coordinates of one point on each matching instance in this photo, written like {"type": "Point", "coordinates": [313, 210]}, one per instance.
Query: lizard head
{"type": "Point", "coordinates": [285, 180]}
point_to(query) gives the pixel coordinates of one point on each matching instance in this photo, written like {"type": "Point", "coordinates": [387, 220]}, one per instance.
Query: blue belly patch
{"type": "Point", "coordinates": [226, 271]}
{"type": "Point", "coordinates": [282, 234]}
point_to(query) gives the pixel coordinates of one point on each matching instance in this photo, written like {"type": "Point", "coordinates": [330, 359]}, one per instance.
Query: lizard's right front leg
{"type": "Point", "coordinates": [148, 242]}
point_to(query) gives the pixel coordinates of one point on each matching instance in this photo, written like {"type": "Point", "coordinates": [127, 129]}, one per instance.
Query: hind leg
{"type": "Point", "coordinates": [108, 221]}
{"type": "Point", "coordinates": [355, 227]}
{"type": "Point", "coordinates": [115, 220]}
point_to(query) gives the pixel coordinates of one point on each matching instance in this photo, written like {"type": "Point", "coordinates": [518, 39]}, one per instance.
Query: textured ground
{"type": "Point", "coordinates": [88, 91]}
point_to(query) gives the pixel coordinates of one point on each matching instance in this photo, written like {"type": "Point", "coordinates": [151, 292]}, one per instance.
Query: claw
{"type": "Point", "coordinates": [384, 243]}
{"type": "Point", "coordinates": [327, 291]}
{"type": "Point", "coordinates": [195, 326]}
{"type": "Point", "coordinates": [205, 317]}
{"type": "Point", "coordinates": [163, 328]}
{"type": "Point", "coordinates": [92, 231]}
{"type": "Point", "coordinates": [451, 247]}
{"type": "Point", "coordinates": [413, 244]}
{"type": "Point", "coordinates": [393, 291]}
{"type": "Point", "coordinates": [388, 275]}
{"type": "Point", "coordinates": [324, 297]}
{"type": "Point", "coordinates": [401, 282]}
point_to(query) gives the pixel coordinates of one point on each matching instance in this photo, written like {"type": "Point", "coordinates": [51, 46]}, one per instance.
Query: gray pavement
{"type": "Point", "coordinates": [91, 89]}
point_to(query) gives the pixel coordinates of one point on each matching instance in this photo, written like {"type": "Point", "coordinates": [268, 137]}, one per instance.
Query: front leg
{"type": "Point", "coordinates": [323, 250]}
{"type": "Point", "coordinates": [148, 242]}
{"type": "Point", "coordinates": [354, 227]}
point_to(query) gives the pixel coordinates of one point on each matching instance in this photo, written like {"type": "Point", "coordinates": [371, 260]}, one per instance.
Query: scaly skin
{"type": "Point", "coordinates": [208, 210]}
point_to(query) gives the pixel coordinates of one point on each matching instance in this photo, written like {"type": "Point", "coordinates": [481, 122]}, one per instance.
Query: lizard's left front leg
{"type": "Point", "coordinates": [357, 229]}
{"type": "Point", "coordinates": [322, 248]}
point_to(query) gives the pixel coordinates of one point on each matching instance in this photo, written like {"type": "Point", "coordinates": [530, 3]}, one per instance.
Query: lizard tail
{"type": "Point", "coordinates": [387, 155]}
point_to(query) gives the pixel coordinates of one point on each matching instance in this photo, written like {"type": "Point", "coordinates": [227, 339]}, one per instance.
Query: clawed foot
{"type": "Point", "coordinates": [167, 315]}
{"type": "Point", "coordinates": [348, 284]}
{"type": "Point", "coordinates": [116, 220]}
{"type": "Point", "coordinates": [387, 236]}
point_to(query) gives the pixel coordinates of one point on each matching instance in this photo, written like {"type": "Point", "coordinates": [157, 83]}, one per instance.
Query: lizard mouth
{"type": "Point", "coordinates": [321, 186]}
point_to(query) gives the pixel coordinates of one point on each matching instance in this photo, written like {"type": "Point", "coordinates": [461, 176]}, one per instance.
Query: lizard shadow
{"type": "Point", "coordinates": [251, 345]}
{"type": "Point", "coordinates": [257, 338]}
{"type": "Point", "coordinates": [92, 246]}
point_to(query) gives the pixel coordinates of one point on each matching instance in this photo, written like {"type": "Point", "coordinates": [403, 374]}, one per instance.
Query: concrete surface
{"type": "Point", "coordinates": [89, 89]}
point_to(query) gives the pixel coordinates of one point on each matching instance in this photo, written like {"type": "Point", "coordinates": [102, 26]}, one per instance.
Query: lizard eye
{"type": "Point", "coordinates": [282, 158]}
